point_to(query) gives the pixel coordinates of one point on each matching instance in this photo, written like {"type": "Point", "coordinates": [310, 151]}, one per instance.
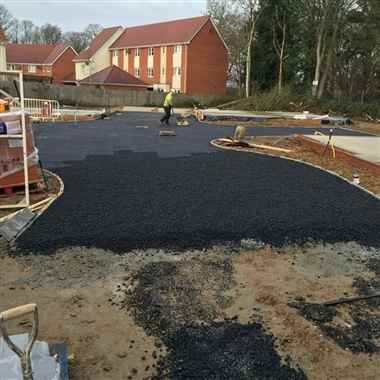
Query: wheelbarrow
{"type": "Point", "coordinates": [22, 357]}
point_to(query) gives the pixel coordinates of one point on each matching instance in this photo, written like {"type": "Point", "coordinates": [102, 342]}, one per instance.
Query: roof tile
{"type": "Point", "coordinates": [113, 75]}
{"type": "Point", "coordinates": [164, 33]}
{"type": "Point", "coordinates": [34, 53]}
{"type": "Point", "coordinates": [97, 43]}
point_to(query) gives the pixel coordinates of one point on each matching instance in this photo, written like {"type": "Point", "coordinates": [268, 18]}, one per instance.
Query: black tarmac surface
{"type": "Point", "coordinates": [224, 351]}
{"type": "Point", "coordinates": [126, 187]}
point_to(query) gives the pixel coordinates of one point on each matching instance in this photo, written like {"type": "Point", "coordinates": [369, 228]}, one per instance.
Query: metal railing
{"type": "Point", "coordinates": [39, 109]}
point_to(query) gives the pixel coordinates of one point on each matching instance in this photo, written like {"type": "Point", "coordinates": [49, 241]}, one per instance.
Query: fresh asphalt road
{"type": "Point", "coordinates": [59, 143]}
{"type": "Point", "coordinates": [126, 187]}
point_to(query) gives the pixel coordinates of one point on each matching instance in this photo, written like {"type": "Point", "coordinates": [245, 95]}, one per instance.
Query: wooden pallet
{"type": "Point", "coordinates": [12, 191]}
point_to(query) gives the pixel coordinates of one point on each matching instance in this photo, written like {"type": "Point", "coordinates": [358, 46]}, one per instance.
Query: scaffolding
{"type": "Point", "coordinates": [26, 201]}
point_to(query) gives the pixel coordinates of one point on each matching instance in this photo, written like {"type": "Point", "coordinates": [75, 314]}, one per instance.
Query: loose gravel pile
{"type": "Point", "coordinates": [178, 302]}
{"type": "Point", "coordinates": [224, 350]}
{"type": "Point", "coordinates": [136, 200]}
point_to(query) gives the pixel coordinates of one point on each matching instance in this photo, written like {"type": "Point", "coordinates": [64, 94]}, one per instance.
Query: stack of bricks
{"type": "Point", "coordinates": [11, 154]}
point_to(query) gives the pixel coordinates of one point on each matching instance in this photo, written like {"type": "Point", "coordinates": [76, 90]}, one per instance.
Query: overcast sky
{"type": "Point", "coordinates": [77, 14]}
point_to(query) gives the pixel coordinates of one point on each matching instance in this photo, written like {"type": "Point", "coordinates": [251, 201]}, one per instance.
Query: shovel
{"type": "Point", "coordinates": [24, 355]}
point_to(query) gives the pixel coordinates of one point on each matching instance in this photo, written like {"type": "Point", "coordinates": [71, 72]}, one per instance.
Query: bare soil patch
{"type": "Point", "coordinates": [224, 311]}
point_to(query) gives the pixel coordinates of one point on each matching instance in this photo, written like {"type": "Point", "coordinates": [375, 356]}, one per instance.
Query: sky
{"type": "Point", "coordinates": [77, 14]}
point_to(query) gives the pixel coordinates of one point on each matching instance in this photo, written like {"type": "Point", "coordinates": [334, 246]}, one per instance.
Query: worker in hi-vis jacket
{"type": "Point", "coordinates": [168, 106]}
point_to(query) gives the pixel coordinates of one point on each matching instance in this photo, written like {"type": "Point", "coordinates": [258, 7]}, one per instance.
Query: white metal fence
{"type": "Point", "coordinates": [39, 109]}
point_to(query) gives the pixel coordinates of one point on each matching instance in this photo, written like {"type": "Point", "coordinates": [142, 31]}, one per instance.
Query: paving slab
{"type": "Point", "coordinates": [364, 147]}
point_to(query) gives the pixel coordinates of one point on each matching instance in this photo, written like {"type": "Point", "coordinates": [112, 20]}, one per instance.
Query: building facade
{"type": "Point", "coordinates": [187, 55]}
{"type": "Point", "coordinates": [96, 57]}
{"type": "Point", "coordinates": [53, 63]}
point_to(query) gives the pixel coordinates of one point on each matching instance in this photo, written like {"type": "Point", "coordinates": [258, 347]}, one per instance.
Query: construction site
{"type": "Point", "coordinates": [227, 245]}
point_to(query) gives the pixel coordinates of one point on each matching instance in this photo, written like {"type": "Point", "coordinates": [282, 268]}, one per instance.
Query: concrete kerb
{"type": "Point", "coordinates": [253, 151]}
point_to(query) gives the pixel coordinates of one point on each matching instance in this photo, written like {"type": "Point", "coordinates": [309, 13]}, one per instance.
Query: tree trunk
{"type": "Point", "coordinates": [249, 60]}
{"type": "Point", "coordinates": [326, 72]}
{"type": "Point", "coordinates": [317, 72]}
{"type": "Point", "coordinates": [281, 70]}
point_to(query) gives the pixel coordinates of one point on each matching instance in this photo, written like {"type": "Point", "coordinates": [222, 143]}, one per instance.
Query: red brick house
{"type": "Point", "coordinates": [113, 77]}
{"type": "Point", "coordinates": [188, 55]}
{"type": "Point", "coordinates": [50, 62]}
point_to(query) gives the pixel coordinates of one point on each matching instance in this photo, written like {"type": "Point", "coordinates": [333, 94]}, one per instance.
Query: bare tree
{"type": "Point", "coordinates": [251, 9]}
{"type": "Point", "coordinates": [325, 17]}
{"type": "Point", "coordinates": [27, 32]}
{"type": "Point", "coordinates": [230, 22]}
{"type": "Point", "coordinates": [91, 31]}
{"type": "Point", "coordinates": [76, 39]}
{"type": "Point", "coordinates": [50, 34]}
{"type": "Point", "coordinates": [279, 42]}
{"type": "Point", "coordinates": [6, 18]}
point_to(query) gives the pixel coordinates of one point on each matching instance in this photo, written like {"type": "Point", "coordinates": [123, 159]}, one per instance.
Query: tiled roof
{"type": "Point", "coordinates": [34, 54]}
{"type": "Point", "coordinates": [97, 43]}
{"type": "Point", "coordinates": [113, 75]}
{"type": "Point", "coordinates": [164, 33]}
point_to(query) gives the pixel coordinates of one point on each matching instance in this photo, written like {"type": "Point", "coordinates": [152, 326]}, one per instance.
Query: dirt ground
{"type": "Point", "coordinates": [369, 127]}
{"type": "Point", "coordinates": [121, 314]}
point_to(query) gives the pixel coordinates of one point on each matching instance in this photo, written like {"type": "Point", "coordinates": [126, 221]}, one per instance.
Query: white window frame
{"type": "Point", "coordinates": [177, 49]}
{"type": "Point", "coordinates": [137, 52]}
{"type": "Point", "coordinates": [163, 71]}
{"type": "Point", "coordinates": [150, 72]}
{"type": "Point", "coordinates": [137, 72]}
{"type": "Point", "coordinates": [32, 69]}
{"type": "Point", "coordinates": [163, 49]}
{"type": "Point", "coordinates": [151, 51]}
{"type": "Point", "coordinates": [13, 67]}
{"type": "Point", "coordinates": [115, 53]}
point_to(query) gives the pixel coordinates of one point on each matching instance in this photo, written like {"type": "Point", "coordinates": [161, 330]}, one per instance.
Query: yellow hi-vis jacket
{"type": "Point", "coordinates": [168, 100]}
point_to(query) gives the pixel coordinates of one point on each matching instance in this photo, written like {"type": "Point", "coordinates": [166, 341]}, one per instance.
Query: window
{"type": "Point", "coordinates": [137, 72]}
{"type": "Point", "coordinates": [126, 51]}
{"type": "Point", "coordinates": [177, 71]}
{"type": "Point", "coordinates": [84, 69]}
{"type": "Point", "coordinates": [115, 53]}
{"type": "Point", "coordinates": [137, 52]}
{"type": "Point", "coordinates": [163, 50]}
{"type": "Point", "coordinates": [32, 68]}
{"type": "Point", "coordinates": [14, 67]}
{"type": "Point", "coordinates": [163, 71]}
{"type": "Point", "coordinates": [150, 72]}
{"type": "Point", "coordinates": [177, 49]}
{"type": "Point", "coordinates": [150, 51]}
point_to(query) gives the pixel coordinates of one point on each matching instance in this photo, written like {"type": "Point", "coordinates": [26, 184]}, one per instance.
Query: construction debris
{"type": "Point", "coordinates": [288, 118]}
{"type": "Point", "coordinates": [168, 133]}
{"type": "Point", "coordinates": [350, 299]}
{"type": "Point", "coordinates": [233, 143]}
